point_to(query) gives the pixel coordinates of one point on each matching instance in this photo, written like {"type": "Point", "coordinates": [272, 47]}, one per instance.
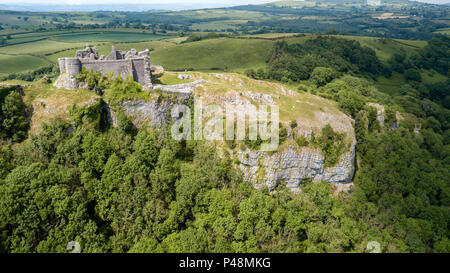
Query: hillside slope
{"type": "Point", "coordinates": [291, 163]}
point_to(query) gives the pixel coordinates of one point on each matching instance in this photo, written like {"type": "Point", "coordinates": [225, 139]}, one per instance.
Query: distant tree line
{"type": "Point", "coordinates": [50, 70]}
{"type": "Point", "coordinates": [210, 35]}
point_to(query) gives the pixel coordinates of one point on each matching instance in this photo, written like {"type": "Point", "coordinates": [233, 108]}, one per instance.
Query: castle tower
{"type": "Point", "coordinates": [62, 65]}
{"type": "Point", "coordinates": [113, 55]}
{"type": "Point", "coordinates": [147, 73]}
{"type": "Point", "coordinates": [73, 66]}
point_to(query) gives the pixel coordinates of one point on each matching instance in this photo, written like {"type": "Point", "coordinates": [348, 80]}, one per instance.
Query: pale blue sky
{"type": "Point", "coordinates": [224, 2]}
{"type": "Point", "coordinates": [142, 2]}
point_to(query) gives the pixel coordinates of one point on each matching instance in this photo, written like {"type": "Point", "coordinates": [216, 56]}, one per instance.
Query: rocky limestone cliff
{"type": "Point", "coordinates": [294, 165]}
{"type": "Point", "coordinates": [67, 81]}
{"type": "Point", "coordinates": [380, 112]}
{"type": "Point", "coordinates": [150, 113]}
{"type": "Point", "coordinates": [291, 164]}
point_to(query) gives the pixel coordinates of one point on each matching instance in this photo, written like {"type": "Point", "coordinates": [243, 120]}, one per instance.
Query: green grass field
{"type": "Point", "coordinates": [108, 36]}
{"type": "Point", "coordinates": [221, 54]}
{"type": "Point", "coordinates": [39, 48]}
{"type": "Point", "coordinates": [386, 48]}
{"type": "Point", "coordinates": [392, 85]}
{"type": "Point", "coordinates": [21, 20]}
{"type": "Point", "coordinates": [431, 76]}
{"type": "Point", "coordinates": [445, 31]}
{"type": "Point", "coordinates": [28, 37]}
{"type": "Point", "coordinates": [22, 63]}
{"type": "Point", "coordinates": [273, 35]}
{"type": "Point", "coordinates": [293, 3]}
{"type": "Point", "coordinates": [177, 40]}
{"type": "Point", "coordinates": [218, 25]}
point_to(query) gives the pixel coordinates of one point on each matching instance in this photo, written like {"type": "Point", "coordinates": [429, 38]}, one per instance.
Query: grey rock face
{"type": "Point", "coordinates": [151, 113]}
{"type": "Point", "coordinates": [185, 89]}
{"type": "Point", "coordinates": [157, 69]}
{"type": "Point", "coordinates": [155, 113]}
{"type": "Point", "coordinates": [184, 77]}
{"type": "Point", "coordinates": [67, 81]}
{"type": "Point", "coordinates": [264, 99]}
{"type": "Point", "coordinates": [380, 112]}
{"type": "Point", "coordinates": [294, 165]}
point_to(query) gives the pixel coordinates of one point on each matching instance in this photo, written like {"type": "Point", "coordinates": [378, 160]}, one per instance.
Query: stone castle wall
{"type": "Point", "coordinates": [124, 64]}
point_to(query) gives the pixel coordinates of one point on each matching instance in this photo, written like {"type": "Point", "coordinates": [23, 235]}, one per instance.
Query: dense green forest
{"type": "Point", "coordinates": [295, 62]}
{"type": "Point", "coordinates": [117, 192]}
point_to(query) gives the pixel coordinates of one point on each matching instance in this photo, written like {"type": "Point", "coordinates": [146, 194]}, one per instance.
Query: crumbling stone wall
{"type": "Point", "coordinates": [124, 64]}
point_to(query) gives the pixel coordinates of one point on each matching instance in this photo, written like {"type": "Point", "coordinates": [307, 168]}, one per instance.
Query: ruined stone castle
{"type": "Point", "coordinates": [124, 64]}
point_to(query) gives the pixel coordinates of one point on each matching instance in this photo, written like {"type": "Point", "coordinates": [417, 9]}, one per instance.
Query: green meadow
{"type": "Point", "coordinates": [108, 36]}
{"type": "Point", "coordinates": [224, 54]}
{"type": "Point", "coordinates": [21, 63]}
{"type": "Point", "coordinates": [39, 48]}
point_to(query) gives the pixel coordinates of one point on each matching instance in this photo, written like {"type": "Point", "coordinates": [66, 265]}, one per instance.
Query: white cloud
{"type": "Point", "coordinates": [434, 1]}
{"type": "Point", "coordinates": [73, 3]}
